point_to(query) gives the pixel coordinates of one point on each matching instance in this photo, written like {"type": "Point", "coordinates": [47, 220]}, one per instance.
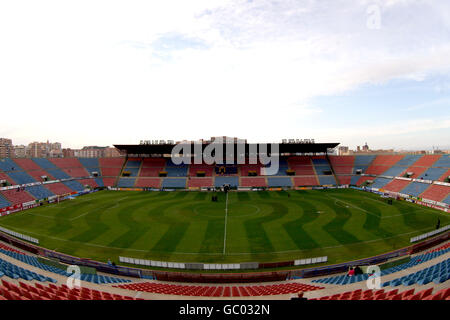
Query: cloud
{"type": "Point", "coordinates": [109, 71]}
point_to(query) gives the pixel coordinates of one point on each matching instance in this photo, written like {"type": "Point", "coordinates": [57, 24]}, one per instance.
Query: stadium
{"type": "Point", "coordinates": [141, 226]}
{"type": "Point", "coordinates": [224, 158]}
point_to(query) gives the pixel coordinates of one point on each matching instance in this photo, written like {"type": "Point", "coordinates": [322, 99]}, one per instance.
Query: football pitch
{"type": "Point", "coordinates": [263, 226]}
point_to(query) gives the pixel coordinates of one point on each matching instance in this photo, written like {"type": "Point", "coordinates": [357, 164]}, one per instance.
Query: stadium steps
{"type": "Point", "coordinates": [37, 291]}
{"type": "Point", "coordinates": [33, 261]}
{"type": "Point", "coordinates": [117, 179]}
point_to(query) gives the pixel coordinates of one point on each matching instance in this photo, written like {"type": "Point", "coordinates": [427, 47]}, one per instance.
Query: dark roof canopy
{"type": "Point", "coordinates": [160, 149]}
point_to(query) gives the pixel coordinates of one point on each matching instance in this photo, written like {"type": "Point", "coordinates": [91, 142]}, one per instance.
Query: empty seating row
{"type": "Point", "coordinates": [33, 261]}
{"type": "Point", "coordinates": [28, 291]}
{"type": "Point", "coordinates": [409, 294]}
{"type": "Point", "coordinates": [219, 291]}
{"type": "Point", "coordinates": [14, 272]}
{"type": "Point", "coordinates": [345, 279]}
{"type": "Point", "coordinates": [437, 273]}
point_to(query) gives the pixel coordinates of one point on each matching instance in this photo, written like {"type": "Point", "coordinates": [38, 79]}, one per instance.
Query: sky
{"type": "Point", "coordinates": [117, 72]}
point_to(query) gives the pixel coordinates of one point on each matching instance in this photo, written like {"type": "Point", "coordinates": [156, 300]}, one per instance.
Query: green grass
{"type": "Point", "coordinates": [343, 224]}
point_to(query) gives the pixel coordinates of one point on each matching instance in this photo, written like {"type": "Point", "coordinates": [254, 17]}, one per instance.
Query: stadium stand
{"type": "Point", "coordinates": [443, 161]}
{"type": "Point", "coordinates": [44, 163]}
{"type": "Point", "coordinates": [305, 181]}
{"type": "Point", "coordinates": [220, 291]}
{"type": "Point", "coordinates": [90, 164]}
{"type": "Point", "coordinates": [419, 259]}
{"type": "Point", "coordinates": [74, 185]}
{"type": "Point", "coordinates": [415, 188]}
{"type": "Point", "coordinates": [396, 185]}
{"type": "Point", "coordinates": [39, 192]}
{"type": "Point", "coordinates": [174, 183]}
{"type": "Point", "coordinates": [279, 182]}
{"type": "Point", "coordinates": [327, 180]}
{"type": "Point", "coordinates": [363, 179]}
{"type": "Point", "coordinates": [21, 177]}
{"type": "Point", "coordinates": [99, 182]}
{"type": "Point", "coordinates": [408, 160]}
{"type": "Point", "coordinates": [394, 171]}
{"type": "Point", "coordinates": [408, 294]}
{"type": "Point", "coordinates": [14, 272]}
{"type": "Point", "coordinates": [58, 188]}
{"type": "Point", "coordinates": [416, 171]}
{"type": "Point", "coordinates": [200, 182]}
{"type": "Point", "coordinates": [33, 169]}
{"type": "Point", "coordinates": [380, 182]}
{"type": "Point", "coordinates": [89, 182]}
{"type": "Point", "coordinates": [8, 179]}
{"type": "Point", "coordinates": [437, 273]}
{"type": "Point", "coordinates": [447, 200]}
{"type": "Point", "coordinates": [33, 261]}
{"type": "Point", "coordinates": [443, 178]}
{"type": "Point", "coordinates": [232, 181]}
{"type": "Point", "coordinates": [126, 182]}
{"type": "Point", "coordinates": [17, 197]}
{"type": "Point", "coordinates": [8, 248]}
{"type": "Point", "coordinates": [111, 167]}
{"type": "Point", "coordinates": [7, 165]}
{"type": "Point", "coordinates": [433, 173]}
{"type": "Point", "coordinates": [344, 179]}
{"type": "Point", "coordinates": [177, 171]}
{"type": "Point", "coordinates": [426, 160]}
{"type": "Point", "coordinates": [246, 169]}
{"type": "Point", "coordinates": [435, 192]}
{"type": "Point", "coordinates": [3, 201]}
{"type": "Point", "coordinates": [299, 161]}
{"type": "Point", "coordinates": [153, 162]}
{"type": "Point", "coordinates": [253, 182]}
{"type": "Point", "coordinates": [37, 291]}
{"type": "Point", "coordinates": [150, 172]}
{"type": "Point", "coordinates": [354, 180]}
{"type": "Point", "coordinates": [109, 182]}
{"type": "Point", "coordinates": [207, 170]}
{"type": "Point", "coordinates": [342, 164]}
{"type": "Point", "coordinates": [148, 182]}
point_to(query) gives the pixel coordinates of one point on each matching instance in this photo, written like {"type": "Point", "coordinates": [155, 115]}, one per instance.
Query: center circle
{"type": "Point", "coordinates": [235, 210]}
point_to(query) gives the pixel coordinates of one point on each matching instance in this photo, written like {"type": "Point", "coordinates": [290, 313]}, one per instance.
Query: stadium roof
{"type": "Point", "coordinates": [160, 149]}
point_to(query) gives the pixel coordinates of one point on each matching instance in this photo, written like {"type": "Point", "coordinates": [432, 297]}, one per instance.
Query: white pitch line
{"type": "Point", "coordinates": [225, 228]}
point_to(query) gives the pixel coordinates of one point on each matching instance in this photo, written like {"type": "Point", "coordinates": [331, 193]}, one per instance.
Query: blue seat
{"type": "Point", "coordinates": [433, 173]}
{"type": "Point", "coordinates": [327, 180]}
{"type": "Point", "coordinates": [4, 202]}
{"type": "Point", "coordinates": [363, 160]}
{"type": "Point", "coordinates": [174, 183]}
{"type": "Point", "coordinates": [126, 182]}
{"type": "Point", "coordinates": [443, 161]}
{"type": "Point", "coordinates": [74, 185]}
{"type": "Point", "coordinates": [279, 182]}
{"type": "Point", "coordinates": [21, 177]}
{"type": "Point", "coordinates": [39, 192]}
{"type": "Point", "coordinates": [7, 165]}
{"type": "Point", "coordinates": [415, 188]}
{"type": "Point", "coordinates": [394, 171]}
{"type": "Point", "coordinates": [44, 163]}
{"type": "Point", "coordinates": [408, 160]}
{"type": "Point", "coordinates": [232, 181]}
{"type": "Point", "coordinates": [380, 182]}
{"type": "Point", "coordinates": [91, 164]}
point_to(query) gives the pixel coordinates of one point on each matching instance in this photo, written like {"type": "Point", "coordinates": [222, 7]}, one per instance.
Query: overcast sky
{"type": "Point", "coordinates": [109, 72]}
